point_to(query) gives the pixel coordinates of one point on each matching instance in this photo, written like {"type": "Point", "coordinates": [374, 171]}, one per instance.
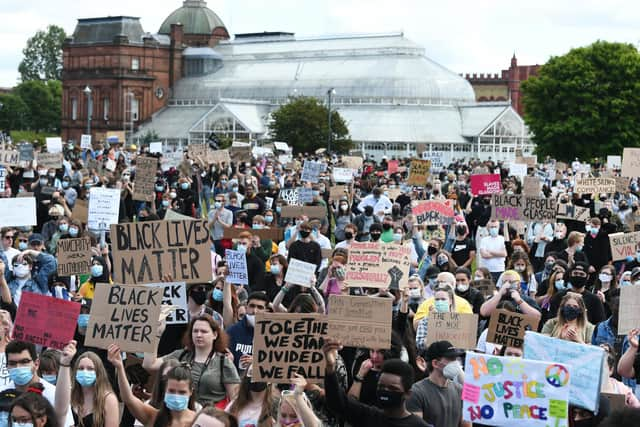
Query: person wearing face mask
{"type": "Point", "coordinates": [597, 246]}
{"type": "Point", "coordinates": [575, 249]}
{"type": "Point", "coordinates": [186, 200]}
{"type": "Point", "coordinates": [459, 305]}
{"type": "Point", "coordinates": [604, 283]}
{"type": "Point", "coordinates": [251, 203]}
{"type": "Point", "coordinates": [375, 232]}
{"type": "Point", "coordinates": [219, 218]}
{"type": "Point", "coordinates": [100, 273]}
{"type": "Point", "coordinates": [51, 226]}
{"type": "Point", "coordinates": [519, 262]}
{"type": "Point", "coordinates": [255, 401]}
{"type": "Point", "coordinates": [30, 409]}
{"type": "Point", "coordinates": [416, 293]}
{"type": "Point", "coordinates": [363, 222]}
{"type": "Point", "coordinates": [31, 270]}
{"type": "Point", "coordinates": [62, 232]}
{"type": "Point", "coordinates": [343, 217]}
{"type": "Point", "coordinates": [305, 248]}
{"type": "Point", "coordinates": [576, 278]}
{"type": "Point", "coordinates": [436, 398]}
{"type": "Point", "coordinates": [274, 280]}
{"type": "Point", "coordinates": [571, 322]}
{"type": "Point", "coordinates": [464, 249]}
{"type": "Point", "coordinates": [463, 289]}
{"type": "Point", "coordinates": [241, 333]}
{"type": "Point", "coordinates": [510, 290]}
{"type": "Point", "coordinates": [387, 229]}
{"type": "Point", "coordinates": [22, 361]}
{"type": "Point", "coordinates": [379, 203]}
{"type": "Point", "coordinates": [606, 332]}
{"type": "Point", "coordinates": [394, 383]}
{"type": "Point", "coordinates": [493, 251]}
{"type": "Point", "coordinates": [350, 232]}
{"type": "Point", "coordinates": [444, 301]}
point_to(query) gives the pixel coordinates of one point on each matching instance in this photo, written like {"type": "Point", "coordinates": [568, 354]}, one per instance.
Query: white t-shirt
{"type": "Point", "coordinates": [483, 345]}
{"type": "Point", "coordinates": [50, 394]}
{"type": "Point", "coordinates": [493, 244]}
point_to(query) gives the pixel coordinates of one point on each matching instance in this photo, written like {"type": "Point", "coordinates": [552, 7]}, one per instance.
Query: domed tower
{"type": "Point", "coordinates": [201, 26]}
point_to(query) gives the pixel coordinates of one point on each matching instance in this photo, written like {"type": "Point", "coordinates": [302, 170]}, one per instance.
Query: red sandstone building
{"type": "Point", "coordinates": [504, 86]}
{"type": "Point", "coordinates": [116, 75]}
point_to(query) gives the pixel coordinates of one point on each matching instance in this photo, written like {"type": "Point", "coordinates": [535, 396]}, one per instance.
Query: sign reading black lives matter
{"type": "Point", "coordinates": [289, 343]}
{"type": "Point", "coordinates": [144, 252]}
{"type": "Point", "coordinates": [126, 316]}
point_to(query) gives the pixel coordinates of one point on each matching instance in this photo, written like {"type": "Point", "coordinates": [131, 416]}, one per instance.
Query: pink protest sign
{"type": "Point", "coordinates": [432, 212]}
{"type": "Point", "coordinates": [482, 185]}
{"type": "Point", "coordinates": [392, 166]}
{"type": "Point", "coordinates": [44, 320]}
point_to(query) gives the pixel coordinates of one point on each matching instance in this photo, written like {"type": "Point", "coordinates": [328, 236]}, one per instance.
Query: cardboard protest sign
{"type": "Point", "coordinates": [104, 208]}
{"type": "Point", "coordinates": [218, 156]}
{"type": "Point", "coordinates": [172, 215]}
{"type": "Point", "coordinates": [531, 186]}
{"type": "Point", "coordinates": [630, 162]}
{"type": "Point", "coordinates": [144, 252]}
{"type": "Point", "coordinates": [352, 162]}
{"type": "Point", "coordinates": [237, 265]}
{"type": "Point", "coordinates": [171, 160]}
{"type": "Point", "coordinates": [288, 343]}
{"type": "Point", "coordinates": [576, 213]}
{"type": "Point", "coordinates": [125, 315]}
{"type": "Point", "coordinates": [343, 174]}
{"type": "Point", "coordinates": [338, 191]}
{"type": "Point", "coordinates": [144, 184]}
{"type": "Point", "coordinates": [311, 171]}
{"type": "Point", "coordinates": [174, 294]}
{"type": "Point", "coordinates": [458, 328]}
{"type": "Point", "coordinates": [419, 172]}
{"type": "Point", "coordinates": [18, 212]}
{"type": "Point", "coordinates": [433, 212]}
{"type": "Point", "coordinates": [616, 401]}
{"type": "Point", "coordinates": [502, 391]}
{"type": "Point", "coordinates": [290, 195]}
{"type": "Point", "coordinates": [595, 186]}
{"type": "Point", "coordinates": [517, 169]}
{"type": "Point", "coordinates": [49, 160]}
{"type": "Point", "coordinates": [518, 207]}
{"type": "Point", "coordinates": [74, 256]}
{"type": "Point", "coordinates": [80, 211]}
{"type": "Point", "coordinates": [115, 136]}
{"type": "Point", "coordinates": [196, 151]}
{"type": "Point", "coordinates": [305, 195]}
{"type": "Point", "coordinates": [485, 184]}
{"type": "Point", "coordinates": [9, 158]}
{"type": "Point", "coordinates": [623, 245]}
{"type": "Point", "coordinates": [300, 272]}
{"type": "Point", "coordinates": [614, 162]}
{"type": "Point", "coordinates": [622, 184]}
{"type": "Point", "coordinates": [629, 314]}
{"type": "Point", "coordinates": [46, 321]}
{"type": "Point", "coordinates": [392, 167]}
{"type": "Point", "coordinates": [317, 212]}
{"type": "Point", "coordinates": [240, 153]}
{"type": "Point", "coordinates": [276, 234]}
{"type": "Point", "coordinates": [361, 321]}
{"type": "Point", "coordinates": [54, 145]}
{"type": "Point", "coordinates": [376, 265]}
{"type": "Point", "coordinates": [507, 328]}
{"type": "Point", "coordinates": [530, 161]}
{"type": "Point", "coordinates": [585, 363]}
{"type": "Point", "coordinates": [26, 152]}
{"type": "Point", "coordinates": [85, 142]}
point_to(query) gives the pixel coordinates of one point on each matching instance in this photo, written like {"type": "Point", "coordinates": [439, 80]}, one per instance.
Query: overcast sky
{"type": "Point", "coordinates": [464, 36]}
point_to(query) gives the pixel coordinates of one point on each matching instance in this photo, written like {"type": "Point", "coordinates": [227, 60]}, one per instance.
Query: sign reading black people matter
{"type": "Point", "coordinates": [376, 265]}
{"type": "Point", "coordinates": [145, 252]}
{"type": "Point", "coordinates": [518, 207]}
{"type": "Point", "coordinates": [125, 315]}
{"type": "Point", "coordinates": [288, 343]}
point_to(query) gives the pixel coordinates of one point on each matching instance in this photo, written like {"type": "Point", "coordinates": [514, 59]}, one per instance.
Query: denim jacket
{"type": "Point", "coordinates": [39, 281]}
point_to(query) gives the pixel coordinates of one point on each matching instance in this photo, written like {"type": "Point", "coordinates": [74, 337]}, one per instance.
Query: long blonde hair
{"type": "Point", "coordinates": [288, 396]}
{"type": "Point", "coordinates": [582, 319]}
{"type": "Point", "coordinates": [102, 388]}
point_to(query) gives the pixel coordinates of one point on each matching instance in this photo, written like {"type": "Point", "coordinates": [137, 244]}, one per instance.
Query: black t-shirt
{"type": "Point", "coordinates": [461, 249]}
{"type": "Point", "coordinates": [595, 309]}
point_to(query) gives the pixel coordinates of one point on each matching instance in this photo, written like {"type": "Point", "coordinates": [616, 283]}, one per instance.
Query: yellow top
{"type": "Point", "coordinates": [87, 289]}
{"type": "Point", "coordinates": [462, 306]}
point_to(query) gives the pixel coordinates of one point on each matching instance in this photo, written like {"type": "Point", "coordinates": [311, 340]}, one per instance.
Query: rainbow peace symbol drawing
{"type": "Point", "coordinates": [557, 375]}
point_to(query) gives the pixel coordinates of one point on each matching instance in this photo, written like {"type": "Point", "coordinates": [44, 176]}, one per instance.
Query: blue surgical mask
{"type": "Point", "coordinates": [165, 203]}
{"type": "Point", "coordinates": [257, 226]}
{"type": "Point", "coordinates": [441, 306]}
{"type": "Point", "coordinates": [159, 188]}
{"type": "Point", "coordinates": [241, 248]}
{"type": "Point", "coordinates": [96, 270]}
{"type": "Point", "coordinates": [176, 402]}
{"type": "Point", "coordinates": [625, 283]}
{"type": "Point", "coordinates": [275, 269]}
{"type": "Point", "coordinates": [83, 320]}
{"type": "Point", "coordinates": [493, 231]}
{"type": "Point", "coordinates": [73, 232]}
{"type": "Point", "coordinates": [278, 209]}
{"type": "Point", "coordinates": [21, 376]}
{"type": "Point", "coordinates": [23, 246]}
{"type": "Point", "coordinates": [65, 184]}
{"type": "Point", "coordinates": [86, 378]}
{"type": "Point", "coordinates": [560, 286]}
{"type": "Point", "coordinates": [217, 205]}
{"type": "Point", "coordinates": [268, 218]}
{"type": "Point", "coordinates": [63, 228]}
{"type": "Point", "coordinates": [217, 295]}
{"type": "Point", "coordinates": [184, 185]}
{"type": "Point", "coordinates": [50, 378]}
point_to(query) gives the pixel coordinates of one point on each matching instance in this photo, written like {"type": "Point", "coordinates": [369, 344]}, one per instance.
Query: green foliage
{"type": "Point", "coordinates": [43, 55]}
{"type": "Point", "coordinates": [31, 136]}
{"type": "Point", "coordinates": [303, 124]}
{"type": "Point", "coordinates": [13, 112]}
{"type": "Point", "coordinates": [43, 101]}
{"type": "Point", "coordinates": [150, 136]}
{"type": "Point", "coordinates": [585, 103]}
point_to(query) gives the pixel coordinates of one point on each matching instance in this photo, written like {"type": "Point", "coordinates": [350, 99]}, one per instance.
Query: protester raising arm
{"type": "Point", "coordinates": [625, 365]}
{"type": "Point", "coordinates": [63, 383]}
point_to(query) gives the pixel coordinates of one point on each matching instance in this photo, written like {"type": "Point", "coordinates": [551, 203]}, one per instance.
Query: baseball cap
{"type": "Point", "coordinates": [635, 273]}
{"type": "Point", "coordinates": [36, 237]}
{"type": "Point", "coordinates": [440, 349]}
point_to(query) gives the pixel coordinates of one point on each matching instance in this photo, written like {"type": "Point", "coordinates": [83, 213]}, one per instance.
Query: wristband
{"type": "Point", "coordinates": [284, 289]}
{"type": "Point", "coordinates": [358, 378]}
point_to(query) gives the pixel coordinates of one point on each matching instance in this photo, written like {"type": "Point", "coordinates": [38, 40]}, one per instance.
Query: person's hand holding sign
{"type": "Point", "coordinates": [299, 382]}
{"type": "Point", "coordinates": [330, 350]}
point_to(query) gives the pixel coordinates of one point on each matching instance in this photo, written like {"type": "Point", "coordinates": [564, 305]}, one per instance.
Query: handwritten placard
{"type": "Point", "coordinates": [343, 174]}
{"type": "Point", "coordinates": [363, 322]}
{"type": "Point", "coordinates": [289, 343]}
{"type": "Point", "coordinates": [290, 196]}
{"type": "Point", "coordinates": [311, 171]}
{"type": "Point", "coordinates": [433, 212]}
{"type": "Point", "coordinates": [104, 208]}
{"type": "Point", "coordinates": [144, 252]}
{"type": "Point", "coordinates": [144, 185]}
{"type": "Point", "coordinates": [595, 186]}
{"type": "Point", "coordinates": [300, 272]}
{"type": "Point", "coordinates": [485, 184]}
{"type": "Point", "coordinates": [237, 264]}
{"type": "Point", "coordinates": [74, 256]}
{"type": "Point", "coordinates": [623, 245]}
{"type": "Point", "coordinates": [18, 212]}
{"type": "Point", "coordinates": [507, 327]}
{"type": "Point", "coordinates": [312, 212]}
{"type": "Point", "coordinates": [125, 315]}
{"type": "Point", "coordinates": [519, 207]}
{"type": "Point", "coordinates": [46, 321]}
{"type": "Point", "coordinates": [174, 294]}
{"type": "Point", "coordinates": [629, 314]}
{"type": "Point", "coordinates": [376, 265]}
{"type": "Point", "coordinates": [576, 213]}
{"type": "Point", "coordinates": [9, 158]}
{"type": "Point", "coordinates": [419, 171]}
{"type": "Point", "coordinates": [458, 328]}
{"type": "Point", "coordinates": [85, 142]}
{"type": "Point", "coordinates": [49, 160]}
{"type": "Point", "coordinates": [491, 394]}
{"type": "Point", "coordinates": [631, 162]}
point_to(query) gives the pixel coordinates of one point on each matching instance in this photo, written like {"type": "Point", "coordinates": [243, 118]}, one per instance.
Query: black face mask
{"type": "Point", "coordinates": [578, 282]}
{"type": "Point", "coordinates": [304, 233]}
{"type": "Point", "coordinates": [348, 235]}
{"type": "Point", "coordinates": [257, 387]}
{"type": "Point", "coordinates": [386, 227]}
{"type": "Point", "coordinates": [375, 236]}
{"type": "Point", "coordinates": [461, 229]}
{"type": "Point", "coordinates": [432, 250]}
{"type": "Point", "coordinates": [199, 297]}
{"type": "Point", "coordinates": [389, 399]}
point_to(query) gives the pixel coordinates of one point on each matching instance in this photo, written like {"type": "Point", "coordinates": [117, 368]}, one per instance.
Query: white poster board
{"type": "Point", "coordinates": [343, 174]}
{"type": "Point", "coordinates": [54, 145]}
{"type": "Point", "coordinates": [237, 265]}
{"type": "Point", "coordinates": [18, 212]}
{"type": "Point", "coordinates": [104, 208]}
{"type": "Point", "coordinates": [155, 147]}
{"type": "Point", "coordinates": [518, 169]}
{"type": "Point", "coordinates": [614, 162]}
{"type": "Point", "coordinates": [175, 295]}
{"type": "Point", "coordinates": [300, 272]}
{"type": "Point", "coordinates": [85, 142]}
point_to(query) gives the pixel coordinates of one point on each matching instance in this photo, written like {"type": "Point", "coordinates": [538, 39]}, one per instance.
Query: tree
{"type": "Point", "coordinates": [585, 103]}
{"type": "Point", "coordinates": [43, 102]}
{"type": "Point", "coordinates": [12, 113]}
{"type": "Point", "coordinates": [303, 124]}
{"type": "Point", "coordinates": [43, 55]}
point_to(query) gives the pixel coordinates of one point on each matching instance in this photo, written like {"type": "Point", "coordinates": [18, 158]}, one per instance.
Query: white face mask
{"type": "Point", "coordinates": [452, 371]}
{"type": "Point", "coordinates": [21, 271]}
{"type": "Point", "coordinates": [462, 288]}
{"type": "Point", "coordinates": [415, 293]}
{"type": "Point", "coordinates": [478, 277]}
{"type": "Point", "coordinates": [605, 278]}
{"type": "Point", "coordinates": [251, 319]}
